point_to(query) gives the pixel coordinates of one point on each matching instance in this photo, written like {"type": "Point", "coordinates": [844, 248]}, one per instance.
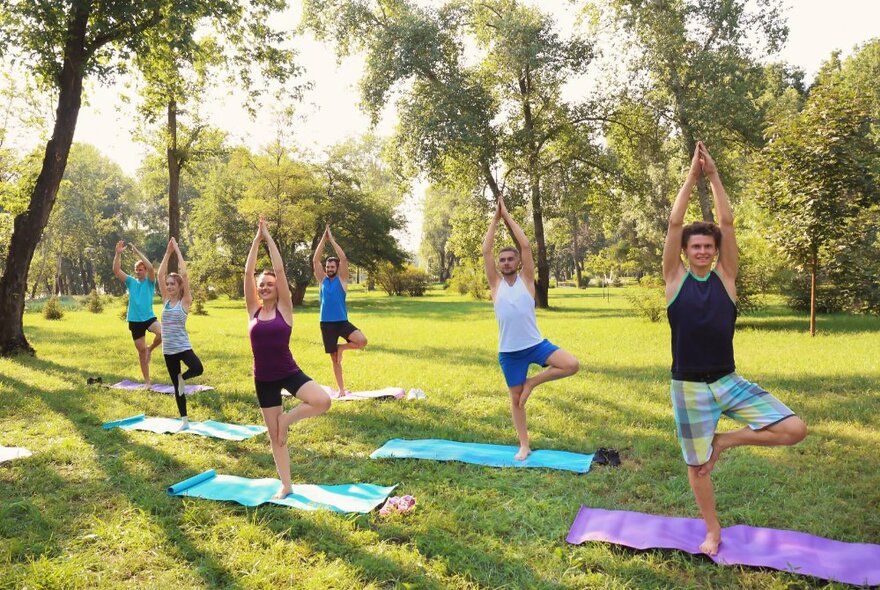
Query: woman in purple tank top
{"type": "Point", "coordinates": [270, 311]}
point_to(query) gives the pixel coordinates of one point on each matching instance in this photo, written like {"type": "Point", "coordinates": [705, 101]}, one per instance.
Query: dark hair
{"type": "Point", "coordinates": [331, 259]}
{"type": "Point", "coordinates": [701, 228]}
{"type": "Point", "coordinates": [508, 249]}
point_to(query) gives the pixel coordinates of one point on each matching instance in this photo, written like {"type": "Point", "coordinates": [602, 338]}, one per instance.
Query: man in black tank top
{"type": "Point", "coordinates": [701, 307]}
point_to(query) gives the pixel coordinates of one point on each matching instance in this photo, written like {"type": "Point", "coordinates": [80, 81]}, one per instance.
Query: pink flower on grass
{"type": "Point", "coordinates": [399, 504]}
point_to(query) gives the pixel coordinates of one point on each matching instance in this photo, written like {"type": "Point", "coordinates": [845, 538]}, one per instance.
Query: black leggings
{"type": "Point", "coordinates": [193, 369]}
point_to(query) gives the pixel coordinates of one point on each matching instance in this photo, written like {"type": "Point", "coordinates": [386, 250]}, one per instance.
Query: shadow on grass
{"type": "Point", "coordinates": [142, 491]}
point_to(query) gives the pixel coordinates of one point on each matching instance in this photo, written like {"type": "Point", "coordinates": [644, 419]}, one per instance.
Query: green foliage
{"type": "Point", "coordinates": [52, 311]}
{"type": "Point", "coordinates": [90, 509]}
{"type": "Point", "coordinates": [93, 303]}
{"type": "Point", "coordinates": [470, 279]}
{"type": "Point", "coordinates": [123, 314]}
{"type": "Point", "coordinates": [393, 280]}
{"type": "Point", "coordinates": [198, 307]}
{"type": "Point", "coordinates": [649, 302]}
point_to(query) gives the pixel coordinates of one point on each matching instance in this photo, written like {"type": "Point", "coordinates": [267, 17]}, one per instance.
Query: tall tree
{"type": "Point", "coordinates": [63, 43]}
{"type": "Point", "coordinates": [700, 57]}
{"type": "Point", "coordinates": [498, 116]}
{"type": "Point", "coordinates": [819, 176]}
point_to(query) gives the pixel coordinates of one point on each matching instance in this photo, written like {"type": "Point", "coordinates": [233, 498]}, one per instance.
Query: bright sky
{"type": "Point", "coordinates": [329, 112]}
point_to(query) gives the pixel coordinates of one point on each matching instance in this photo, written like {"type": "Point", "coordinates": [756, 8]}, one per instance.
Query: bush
{"type": "Point", "coordinates": [415, 281]}
{"type": "Point", "coordinates": [93, 302]}
{"type": "Point", "coordinates": [469, 279]}
{"type": "Point", "coordinates": [52, 311]}
{"type": "Point", "coordinates": [124, 313]}
{"type": "Point", "coordinates": [649, 303]}
{"type": "Point", "coordinates": [395, 281]}
{"type": "Point", "coordinates": [198, 307]}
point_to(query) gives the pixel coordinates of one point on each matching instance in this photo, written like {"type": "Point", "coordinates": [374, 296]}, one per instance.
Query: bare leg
{"type": "Point", "coordinates": [336, 362]}
{"type": "Point", "coordinates": [790, 431]}
{"type": "Point", "coordinates": [144, 359]}
{"type": "Point", "coordinates": [279, 449]}
{"type": "Point", "coordinates": [155, 328]}
{"type": "Point", "coordinates": [517, 410]}
{"type": "Point", "coordinates": [705, 496]}
{"type": "Point", "coordinates": [315, 402]}
{"type": "Point", "coordinates": [561, 364]}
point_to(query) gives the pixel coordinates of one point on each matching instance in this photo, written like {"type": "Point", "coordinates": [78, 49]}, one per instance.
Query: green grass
{"type": "Point", "coordinates": [89, 508]}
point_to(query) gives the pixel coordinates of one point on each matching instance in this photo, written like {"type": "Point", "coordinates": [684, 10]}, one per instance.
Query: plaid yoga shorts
{"type": "Point", "coordinates": [698, 406]}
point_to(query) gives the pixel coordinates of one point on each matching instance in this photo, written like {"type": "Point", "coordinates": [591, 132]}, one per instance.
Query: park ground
{"type": "Point", "coordinates": [89, 509]}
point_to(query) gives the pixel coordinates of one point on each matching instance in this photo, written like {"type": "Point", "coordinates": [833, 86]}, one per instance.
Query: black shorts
{"type": "Point", "coordinates": [139, 329]}
{"type": "Point", "coordinates": [269, 392]}
{"type": "Point", "coordinates": [332, 331]}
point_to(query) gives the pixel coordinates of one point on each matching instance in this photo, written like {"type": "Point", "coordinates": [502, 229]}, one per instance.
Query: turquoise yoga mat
{"type": "Point", "coordinates": [481, 454]}
{"type": "Point", "coordinates": [208, 428]}
{"type": "Point", "coordinates": [356, 497]}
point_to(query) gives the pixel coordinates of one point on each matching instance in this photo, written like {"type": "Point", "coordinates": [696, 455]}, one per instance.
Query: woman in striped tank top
{"type": "Point", "coordinates": [177, 298]}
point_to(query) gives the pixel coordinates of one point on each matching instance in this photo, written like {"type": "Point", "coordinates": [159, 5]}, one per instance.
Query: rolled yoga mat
{"type": "Point", "coordinates": [789, 551]}
{"type": "Point", "coordinates": [132, 386]}
{"type": "Point", "coordinates": [481, 454]}
{"type": "Point", "coordinates": [10, 453]}
{"type": "Point", "coordinates": [208, 428]}
{"type": "Point", "coordinates": [357, 497]}
{"type": "Point", "coordinates": [395, 392]}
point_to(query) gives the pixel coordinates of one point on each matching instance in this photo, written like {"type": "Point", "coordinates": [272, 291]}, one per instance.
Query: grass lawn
{"type": "Point", "coordinates": [89, 508]}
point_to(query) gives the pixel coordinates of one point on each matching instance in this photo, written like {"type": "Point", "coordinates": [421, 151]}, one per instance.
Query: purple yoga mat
{"type": "Point", "coordinates": [790, 551]}
{"type": "Point", "coordinates": [131, 386]}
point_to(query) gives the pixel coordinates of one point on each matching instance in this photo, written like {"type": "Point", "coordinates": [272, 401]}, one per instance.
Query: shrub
{"type": "Point", "coordinates": [396, 281]}
{"type": "Point", "coordinates": [198, 308]}
{"type": "Point", "coordinates": [124, 313]}
{"type": "Point", "coordinates": [93, 302]}
{"type": "Point", "coordinates": [648, 303]}
{"type": "Point", "coordinates": [52, 311]}
{"type": "Point", "coordinates": [469, 279]}
{"type": "Point", "coordinates": [415, 281]}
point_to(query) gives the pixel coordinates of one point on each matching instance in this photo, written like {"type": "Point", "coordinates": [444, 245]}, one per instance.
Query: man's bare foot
{"type": "Point", "coordinates": [526, 392]}
{"type": "Point", "coordinates": [285, 419]}
{"type": "Point", "coordinates": [282, 493]}
{"type": "Point", "coordinates": [147, 385]}
{"type": "Point", "coordinates": [711, 543]}
{"type": "Point", "coordinates": [523, 453]}
{"type": "Point", "coordinates": [717, 447]}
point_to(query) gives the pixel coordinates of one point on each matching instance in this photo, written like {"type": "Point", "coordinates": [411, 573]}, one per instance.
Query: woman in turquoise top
{"type": "Point", "coordinates": [141, 318]}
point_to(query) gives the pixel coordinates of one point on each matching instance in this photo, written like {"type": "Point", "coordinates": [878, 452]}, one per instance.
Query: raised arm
{"type": "Point", "coordinates": [186, 297]}
{"type": "Point", "coordinates": [673, 268]}
{"type": "Point", "coordinates": [251, 298]}
{"type": "Point", "coordinates": [163, 271]}
{"type": "Point", "coordinates": [285, 303]}
{"type": "Point", "coordinates": [317, 267]}
{"type": "Point", "coordinates": [525, 249]}
{"type": "Point", "coordinates": [117, 262]}
{"type": "Point", "coordinates": [343, 260]}
{"type": "Point", "coordinates": [151, 272]}
{"type": "Point", "coordinates": [728, 257]}
{"type": "Point", "coordinates": [488, 254]}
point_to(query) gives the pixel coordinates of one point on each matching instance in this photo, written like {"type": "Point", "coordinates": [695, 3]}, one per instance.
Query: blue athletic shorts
{"type": "Point", "coordinates": [515, 365]}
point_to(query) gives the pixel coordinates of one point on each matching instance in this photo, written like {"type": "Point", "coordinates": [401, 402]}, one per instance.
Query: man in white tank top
{"type": "Point", "coordinates": [520, 342]}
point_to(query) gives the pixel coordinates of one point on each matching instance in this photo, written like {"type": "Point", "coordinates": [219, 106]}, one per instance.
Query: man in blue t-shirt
{"type": "Point", "coordinates": [332, 280]}
{"type": "Point", "coordinates": [141, 318]}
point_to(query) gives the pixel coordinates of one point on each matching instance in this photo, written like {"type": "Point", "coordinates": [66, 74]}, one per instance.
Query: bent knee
{"type": "Point", "coordinates": [796, 430]}
{"type": "Point", "coordinates": [322, 404]}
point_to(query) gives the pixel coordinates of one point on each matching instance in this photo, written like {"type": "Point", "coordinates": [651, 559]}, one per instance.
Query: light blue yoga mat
{"type": "Point", "coordinates": [356, 497]}
{"type": "Point", "coordinates": [480, 454]}
{"type": "Point", "coordinates": [208, 428]}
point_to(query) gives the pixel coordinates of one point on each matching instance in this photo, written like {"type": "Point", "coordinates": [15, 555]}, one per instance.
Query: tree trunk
{"type": "Point", "coordinates": [28, 226]}
{"type": "Point", "coordinates": [298, 294]}
{"type": "Point", "coordinates": [44, 246]}
{"type": "Point", "coordinates": [173, 181]}
{"type": "Point", "coordinates": [814, 270]}
{"type": "Point", "coordinates": [575, 256]}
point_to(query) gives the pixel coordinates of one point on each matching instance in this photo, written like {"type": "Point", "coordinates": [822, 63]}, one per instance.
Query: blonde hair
{"type": "Point", "coordinates": [176, 278]}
